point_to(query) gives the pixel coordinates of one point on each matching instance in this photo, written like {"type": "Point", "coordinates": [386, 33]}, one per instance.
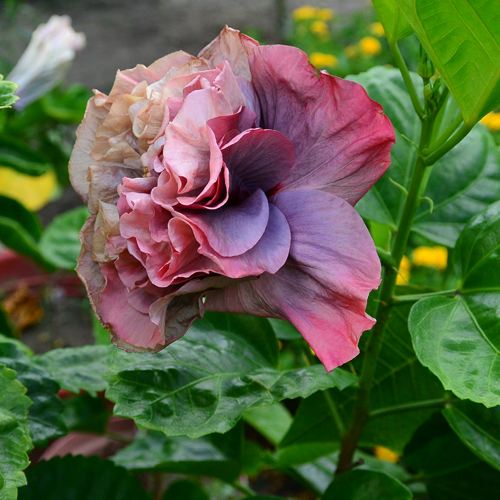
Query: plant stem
{"type": "Point", "coordinates": [419, 405]}
{"type": "Point", "coordinates": [399, 299]}
{"type": "Point", "coordinates": [385, 257]}
{"type": "Point", "coordinates": [407, 78]}
{"type": "Point", "coordinates": [448, 132]}
{"type": "Point", "coordinates": [434, 155]}
{"type": "Point", "coordinates": [367, 378]}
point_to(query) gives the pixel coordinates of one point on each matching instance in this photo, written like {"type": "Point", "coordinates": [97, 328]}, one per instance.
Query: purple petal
{"type": "Point", "coordinates": [341, 137]}
{"type": "Point", "coordinates": [259, 158]}
{"type": "Point", "coordinates": [324, 286]}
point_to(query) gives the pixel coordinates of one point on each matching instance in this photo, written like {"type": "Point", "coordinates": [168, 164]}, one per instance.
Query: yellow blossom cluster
{"type": "Point", "coordinates": [320, 28]}
{"type": "Point", "coordinates": [308, 13]}
{"type": "Point", "coordinates": [383, 453]}
{"type": "Point", "coordinates": [321, 60]}
{"type": "Point", "coordinates": [436, 257]}
{"type": "Point", "coordinates": [492, 121]}
{"type": "Point", "coordinates": [377, 29]}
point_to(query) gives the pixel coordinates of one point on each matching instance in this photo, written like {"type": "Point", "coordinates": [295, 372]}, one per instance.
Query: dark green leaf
{"type": "Point", "coordinates": [463, 40]}
{"type": "Point", "coordinates": [366, 485]}
{"type": "Point", "coordinates": [284, 330]}
{"type": "Point", "coordinates": [76, 368]}
{"type": "Point", "coordinates": [478, 427]}
{"type": "Point", "coordinates": [258, 332]}
{"type": "Point", "coordinates": [19, 156]}
{"type": "Point", "coordinates": [85, 413]}
{"type": "Point", "coordinates": [44, 416]}
{"type": "Point", "coordinates": [435, 450]}
{"type": "Point", "coordinates": [399, 380]}
{"type": "Point", "coordinates": [480, 482]}
{"type": "Point", "coordinates": [60, 244]}
{"type": "Point", "coordinates": [157, 452]}
{"type": "Point", "coordinates": [80, 478]}
{"type": "Point", "coordinates": [6, 327]}
{"type": "Point", "coordinates": [20, 229]}
{"type": "Point", "coordinates": [457, 338]}
{"type": "Point", "coordinates": [395, 24]}
{"type": "Point", "coordinates": [15, 439]}
{"type": "Point", "coordinates": [7, 97]}
{"type": "Point", "coordinates": [204, 382]}
{"type": "Point", "coordinates": [463, 182]}
{"type": "Point", "coordinates": [185, 490]}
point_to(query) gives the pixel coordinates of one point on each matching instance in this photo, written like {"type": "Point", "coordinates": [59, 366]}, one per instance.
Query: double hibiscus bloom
{"type": "Point", "coordinates": [226, 182]}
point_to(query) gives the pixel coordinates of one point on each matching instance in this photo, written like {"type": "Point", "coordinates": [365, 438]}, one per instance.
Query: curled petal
{"type": "Point", "coordinates": [324, 286]}
{"type": "Point", "coordinates": [341, 137]}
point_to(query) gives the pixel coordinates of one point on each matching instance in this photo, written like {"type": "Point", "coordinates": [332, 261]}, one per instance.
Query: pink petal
{"type": "Point", "coordinates": [341, 137]}
{"type": "Point", "coordinates": [324, 286]}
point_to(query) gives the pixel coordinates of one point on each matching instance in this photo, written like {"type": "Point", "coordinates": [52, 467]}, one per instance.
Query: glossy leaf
{"type": "Point", "coordinates": [204, 382]}
{"type": "Point", "coordinates": [185, 490]}
{"type": "Point", "coordinates": [395, 24]}
{"type": "Point", "coordinates": [66, 105]}
{"type": "Point", "coordinates": [257, 331]}
{"type": "Point", "coordinates": [45, 414]}
{"type": "Point", "coordinates": [85, 413]}
{"type": "Point", "coordinates": [462, 37]}
{"type": "Point", "coordinates": [284, 330]}
{"type": "Point", "coordinates": [400, 379]}
{"type": "Point", "coordinates": [366, 485]}
{"type": "Point", "coordinates": [478, 427]}
{"type": "Point", "coordinates": [60, 244]}
{"type": "Point", "coordinates": [463, 182]}
{"type": "Point", "coordinates": [19, 156]}
{"type": "Point", "coordinates": [7, 97]}
{"type": "Point", "coordinates": [157, 452]}
{"type": "Point", "coordinates": [80, 478]}
{"type": "Point", "coordinates": [457, 338]}
{"type": "Point", "coordinates": [15, 439]}
{"type": "Point", "coordinates": [76, 368]}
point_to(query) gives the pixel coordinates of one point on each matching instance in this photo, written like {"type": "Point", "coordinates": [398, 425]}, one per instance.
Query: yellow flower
{"type": "Point", "coordinates": [377, 29]}
{"type": "Point", "coordinates": [404, 271]}
{"type": "Point", "coordinates": [32, 192]}
{"type": "Point", "coordinates": [319, 28]}
{"type": "Point", "coordinates": [370, 46]}
{"type": "Point", "coordinates": [321, 60]}
{"type": "Point", "coordinates": [436, 257]}
{"type": "Point", "coordinates": [492, 121]}
{"type": "Point", "coordinates": [304, 13]}
{"type": "Point", "coordinates": [325, 14]}
{"type": "Point", "coordinates": [351, 51]}
{"type": "Point", "coordinates": [386, 454]}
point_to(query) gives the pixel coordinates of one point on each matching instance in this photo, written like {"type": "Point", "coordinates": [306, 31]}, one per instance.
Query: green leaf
{"type": "Point", "coordinates": [272, 422]}
{"type": "Point", "coordinates": [6, 327]}
{"type": "Point", "coordinates": [19, 156]}
{"type": "Point", "coordinates": [76, 368]}
{"type": "Point", "coordinates": [435, 450]}
{"type": "Point", "coordinates": [204, 382]}
{"type": "Point", "coordinates": [157, 452]}
{"type": "Point", "coordinates": [399, 380]}
{"type": "Point", "coordinates": [284, 330]}
{"type": "Point", "coordinates": [457, 338]}
{"type": "Point", "coordinates": [15, 439]}
{"type": "Point", "coordinates": [257, 331]}
{"type": "Point", "coordinates": [80, 478]}
{"type": "Point", "coordinates": [85, 413]}
{"type": "Point", "coordinates": [462, 38]}
{"type": "Point", "coordinates": [395, 24]}
{"type": "Point", "coordinates": [366, 485]}
{"type": "Point", "coordinates": [20, 229]}
{"type": "Point", "coordinates": [60, 244]}
{"type": "Point", "coordinates": [463, 182]}
{"type": "Point", "coordinates": [7, 89]}
{"type": "Point", "coordinates": [185, 490]}
{"type": "Point", "coordinates": [45, 414]}
{"type": "Point", "coordinates": [478, 427]}
{"type": "Point", "coordinates": [66, 105]}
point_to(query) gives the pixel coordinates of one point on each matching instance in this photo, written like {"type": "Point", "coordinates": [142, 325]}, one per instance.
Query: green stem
{"type": "Point", "coordinates": [448, 132]}
{"type": "Point", "coordinates": [385, 257]}
{"type": "Point", "coordinates": [407, 78]}
{"type": "Point", "coordinates": [361, 410]}
{"type": "Point", "coordinates": [334, 412]}
{"type": "Point", "coordinates": [436, 153]}
{"type": "Point", "coordinates": [420, 405]}
{"type": "Point", "coordinates": [244, 489]}
{"type": "Point", "coordinates": [399, 299]}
